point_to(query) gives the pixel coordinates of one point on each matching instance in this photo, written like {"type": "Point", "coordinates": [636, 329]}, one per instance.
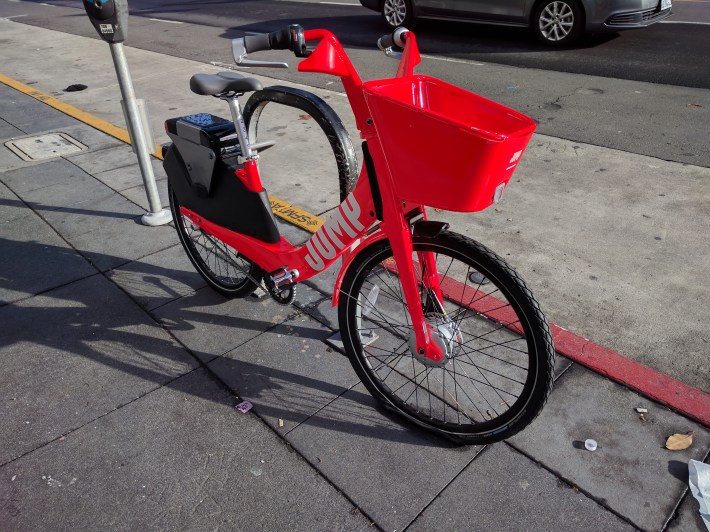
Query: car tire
{"type": "Point", "coordinates": [397, 13]}
{"type": "Point", "coordinates": [558, 22]}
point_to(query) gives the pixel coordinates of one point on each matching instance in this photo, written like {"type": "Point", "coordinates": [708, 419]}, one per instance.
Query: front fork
{"type": "Point", "coordinates": [398, 230]}
{"type": "Point", "coordinates": [430, 278]}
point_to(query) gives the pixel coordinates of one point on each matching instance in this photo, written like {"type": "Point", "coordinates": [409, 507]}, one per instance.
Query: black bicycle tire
{"type": "Point", "coordinates": [241, 290]}
{"type": "Point", "coordinates": [537, 388]}
{"type": "Point", "coordinates": [322, 113]}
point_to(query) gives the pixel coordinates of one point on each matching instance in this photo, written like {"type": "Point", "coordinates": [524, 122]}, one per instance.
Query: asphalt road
{"type": "Point", "coordinates": [643, 91]}
{"type": "Point", "coordinates": [674, 54]}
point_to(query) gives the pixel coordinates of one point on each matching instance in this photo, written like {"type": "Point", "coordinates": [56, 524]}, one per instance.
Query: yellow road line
{"type": "Point", "coordinates": [282, 209]}
{"type": "Point", "coordinates": [296, 216]}
{"type": "Point", "coordinates": [67, 109]}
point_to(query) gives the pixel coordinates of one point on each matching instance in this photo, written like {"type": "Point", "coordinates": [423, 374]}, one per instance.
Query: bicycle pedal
{"type": "Point", "coordinates": [283, 277]}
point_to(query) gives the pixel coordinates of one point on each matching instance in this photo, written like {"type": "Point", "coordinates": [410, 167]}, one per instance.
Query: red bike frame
{"type": "Point", "coordinates": [353, 224]}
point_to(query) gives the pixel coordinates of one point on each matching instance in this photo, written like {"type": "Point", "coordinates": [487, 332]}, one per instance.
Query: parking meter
{"type": "Point", "coordinates": [109, 17]}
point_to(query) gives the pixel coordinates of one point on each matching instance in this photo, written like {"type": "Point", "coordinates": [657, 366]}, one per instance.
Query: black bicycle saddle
{"type": "Point", "coordinates": [212, 84]}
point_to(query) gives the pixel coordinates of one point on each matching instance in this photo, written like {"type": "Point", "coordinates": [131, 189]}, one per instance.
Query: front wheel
{"type": "Point", "coordinates": [558, 22]}
{"type": "Point", "coordinates": [498, 368]}
{"type": "Point", "coordinates": [397, 13]}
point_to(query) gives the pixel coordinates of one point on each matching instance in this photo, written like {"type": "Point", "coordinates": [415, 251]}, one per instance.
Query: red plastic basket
{"type": "Point", "coordinates": [446, 147]}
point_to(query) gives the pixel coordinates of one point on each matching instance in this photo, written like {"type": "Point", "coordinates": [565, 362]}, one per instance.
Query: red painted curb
{"type": "Point", "coordinates": [684, 399]}
{"type": "Point", "coordinates": [678, 396]}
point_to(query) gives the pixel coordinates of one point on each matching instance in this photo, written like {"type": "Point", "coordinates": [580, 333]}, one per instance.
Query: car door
{"type": "Point", "coordinates": [482, 9]}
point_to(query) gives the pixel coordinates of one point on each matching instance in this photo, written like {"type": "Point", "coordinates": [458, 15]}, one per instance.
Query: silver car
{"type": "Point", "coordinates": [555, 22]}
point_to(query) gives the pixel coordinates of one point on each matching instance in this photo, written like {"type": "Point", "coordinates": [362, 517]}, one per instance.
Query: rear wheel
{"type": "Point", "coordinates": [558, 22]}
{"type": "Point", "coordinates": [397, 13]}
{"type": "Point", "coordinates": [224, 269]}
{"type": "Point", "coordinates": [498, 368]}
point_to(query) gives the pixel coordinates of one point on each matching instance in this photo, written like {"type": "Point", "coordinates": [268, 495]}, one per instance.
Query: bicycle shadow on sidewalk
{"type": "Point", "coordinates": [290, 402]}
{"type": "Point", "coordinates": [315, 385]}
{"type": "Point", "coordinates": [77, 351]}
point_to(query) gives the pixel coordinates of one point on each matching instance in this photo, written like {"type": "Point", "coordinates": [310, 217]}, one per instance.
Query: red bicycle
{"type": "Point", "coordinates": [439, 328]}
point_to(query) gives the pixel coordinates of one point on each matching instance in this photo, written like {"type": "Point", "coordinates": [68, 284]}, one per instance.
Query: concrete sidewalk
{"type": "Point", "coordinates": [121, 369]}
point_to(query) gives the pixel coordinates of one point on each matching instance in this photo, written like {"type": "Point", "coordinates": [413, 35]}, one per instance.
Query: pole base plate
{"type": "Point", "coordinates": [153, 219]}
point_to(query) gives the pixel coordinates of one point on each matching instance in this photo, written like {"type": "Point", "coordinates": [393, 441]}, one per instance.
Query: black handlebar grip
{"type": "Point", "coordinates": [386, 41]}
{"type": "Point", "coordinates": [281, 40]}
{"type": "Point", "coordinates": [257, 43]}
{"type": "Point", "coordinates": [289, 38]}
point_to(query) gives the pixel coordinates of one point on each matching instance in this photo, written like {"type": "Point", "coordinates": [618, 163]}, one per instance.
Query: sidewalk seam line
{"type": "Point", "coordinates": [326, 405]}
{"type": "Point", "coordinates": [63, 239]}
{"type": "Point", "coordinates": [304, 312]}
{"type": "Point", "coordinates": [115, 409]}
{"type": "Point", "coordinates": [254, 411]}
{"type": "Point", "coordinates": [571, 484]}
{"type": "Point", "coordinates": [43, 292]}
{"type": "Point", "coordinates": [151, 317]}
{"type": "Point", "coordinates": [483, 449]}
{"type": "Point", "coordinates": [686, 495]}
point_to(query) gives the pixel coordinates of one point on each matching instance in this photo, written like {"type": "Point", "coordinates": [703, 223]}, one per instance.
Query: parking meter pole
{"type": "Point", "coordinates": [156, 215]}
{"type": "Point", "coordinates": [110, 19]}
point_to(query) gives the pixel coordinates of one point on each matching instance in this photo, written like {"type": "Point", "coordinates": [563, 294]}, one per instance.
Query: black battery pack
{"type": "Point", "coordinates": [201, 167]}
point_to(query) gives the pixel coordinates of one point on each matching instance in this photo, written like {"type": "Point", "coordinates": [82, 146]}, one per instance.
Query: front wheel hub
{"type": "Point", "coordinates": [444, 333]}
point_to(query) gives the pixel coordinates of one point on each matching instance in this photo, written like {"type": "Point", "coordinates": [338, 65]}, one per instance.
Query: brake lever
{"type": "Point", "coordinates": [391, 52]}
{"type": "Point", "coordinates": [239, 52]}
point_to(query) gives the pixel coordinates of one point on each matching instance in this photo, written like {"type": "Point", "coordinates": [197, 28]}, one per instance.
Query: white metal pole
{"type": "Point", "coordinates": [137, 130]}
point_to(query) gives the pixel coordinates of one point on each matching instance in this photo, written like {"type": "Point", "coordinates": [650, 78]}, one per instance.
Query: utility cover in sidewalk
{"type": "Point", "coordinates": [45, 146]}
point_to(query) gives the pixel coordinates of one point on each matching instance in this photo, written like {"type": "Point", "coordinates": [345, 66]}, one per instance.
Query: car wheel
{"type": "Point", "coordinates": [558, 22]}
{"type": "Point", "coordinates": [397, 13]}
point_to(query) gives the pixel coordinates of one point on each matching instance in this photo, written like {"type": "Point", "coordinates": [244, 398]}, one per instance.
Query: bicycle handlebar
{"type": "Point", "coordinates": [293, 38]}
{"type": "Point", "coordinates": [256, 43]}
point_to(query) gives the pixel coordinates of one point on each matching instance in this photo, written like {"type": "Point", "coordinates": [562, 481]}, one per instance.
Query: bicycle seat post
{"type": "Point", "coordinates": [239, 125]}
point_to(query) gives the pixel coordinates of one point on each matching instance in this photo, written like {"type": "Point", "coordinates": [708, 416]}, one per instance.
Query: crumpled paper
{"type": "Point", "coordinates": [699, 480]}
